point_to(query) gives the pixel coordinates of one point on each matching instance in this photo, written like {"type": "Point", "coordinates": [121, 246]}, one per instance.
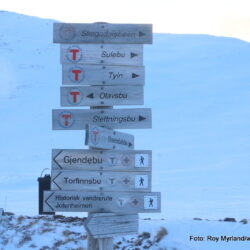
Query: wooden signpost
{"type": "Point", "coordinates": [88, 74]}
{"type": "Point", "coordinates": [77, 119]}
{"type": "Point", "coordinates": [108, 54]}
{"type": "Point", "coordinates": [101, 181]}
{"type": "Point", "coordinates": [104, 138]}
{"type": "Point", "coordinates": [101, 95]}
{"type": "Point", "coordinates": [111, 181]}
{"type": "Point", "coordinates": [108, 160]}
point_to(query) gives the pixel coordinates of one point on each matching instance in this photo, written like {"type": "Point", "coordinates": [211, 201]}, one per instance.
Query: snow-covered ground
{"type": "Point", "coordinates": [47, 232]}
{"type": "Point", "coordinates": [198, 87]}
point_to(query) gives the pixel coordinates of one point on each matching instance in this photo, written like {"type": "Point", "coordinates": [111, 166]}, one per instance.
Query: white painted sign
{"type": "Point", "coordinates": [100, 180]}
{"type": "Point", "coordinates": [108, 160]}
{"type": "Point", "coordinates": [103, 138]}
{"type": "Point", "coordinates": [117, 202]}
{"type": "Point", "coordinates": [90, 74]}
{"type": "Point", "coordinates": [102, 225]}
{"type": "Point", "coordinates": [109, 54]}
{"type": "Point", "coordinates": [101, 95]}
{"type": "Point", "coordinates": [102, 33]}
{"type": "Point", "coordinates": [76, 119]}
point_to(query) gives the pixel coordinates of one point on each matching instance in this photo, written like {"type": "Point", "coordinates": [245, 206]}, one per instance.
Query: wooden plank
{"type": "Point", "coordinates": [104, 138]}
{"type": "Point", "coordinates": [102, 225]}
{"type": "Point", "coordinates": [76, 119]}
{"type": "Point", "coordinates": [102, 33]}
{"type": "Point", "coordinates": [106, 202]}
{"type": "Point", "coordinates": [100, 181]}
{"type": "Point", "coordinates": [108, 160]}
{"type": "Point", "coordinates": [87, 74]}
{"type": "Point", "coordinates": [109, 54]}
{"type": "Point", "coordinates": [101, 95]}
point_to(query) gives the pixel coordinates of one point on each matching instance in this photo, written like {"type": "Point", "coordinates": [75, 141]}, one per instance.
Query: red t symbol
{"type": "Point", "coordinates": [66, 121]}
{"type": "Point", "coordinates": [95, 132]}
{"type": "Point", "coordinates": [75, 94]}
{"type": "Point", "coordinates": [74, 52]}
{"type": "Point", "coordinates": [76, 72]}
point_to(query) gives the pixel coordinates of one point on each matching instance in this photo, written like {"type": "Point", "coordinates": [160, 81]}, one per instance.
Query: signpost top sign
{"type": "Point", "coordinates": [102, 33]}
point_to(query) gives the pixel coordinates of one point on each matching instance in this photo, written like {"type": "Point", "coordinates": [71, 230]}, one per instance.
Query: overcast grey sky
{"type": "Point", "coordinates": [216, 17]}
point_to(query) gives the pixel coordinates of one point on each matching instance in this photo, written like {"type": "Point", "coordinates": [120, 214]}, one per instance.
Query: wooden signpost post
{"type": "Point", "coordinates": [103, 65]}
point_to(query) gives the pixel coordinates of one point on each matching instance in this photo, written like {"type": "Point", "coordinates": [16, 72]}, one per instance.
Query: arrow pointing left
{"type": "Point", "coordinates": [46, 202]}
{"type": "Point", "coordinates": [53, 180]}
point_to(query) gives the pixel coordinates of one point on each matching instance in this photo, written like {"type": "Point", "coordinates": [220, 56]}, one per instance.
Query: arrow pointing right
{"type": "Point", "coordinates": [134, 75]}
{"type": "Point", "coordinates": [141, 118]}
{"type": "Point", "coordinates": [141, 34]}
{"type": "Point", "coordinates": [132, 54]}
{"type": "Point", "coordinates": [90, 96]}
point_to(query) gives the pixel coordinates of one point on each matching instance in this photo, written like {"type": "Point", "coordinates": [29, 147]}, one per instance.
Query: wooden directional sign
{"type": "Point", "coordinates": [100, 181]}
{"type": "Point", "coordinates": [117, 202]}
{"type": "Point", "coordinates": [112, 54]}
{"type": "Point", "coordinates": [102, 225]}
{"type": "Point", "coordinates": [101, 95]}
{"type": "Point", "coordinates": [102, 33]}
{"type": "Point", "coordinates": [108, 160]}
{"type": "Point", "coordinates": [76, 119]}
{"type": "Point", "coordinates": [87, 74]}
{"type": "Point", "coordinates": [99, 137]}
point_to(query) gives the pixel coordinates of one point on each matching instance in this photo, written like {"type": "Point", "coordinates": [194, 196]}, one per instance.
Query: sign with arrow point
{"type": "Point", "coordinates": [102, 33]}
{"type": "Point", "coordinates": [114, 202]}
{"type": "Point", "coordinates": [108, 54]}
{"type": "Point", "coordinates": [100, 180]}
{"type": "Point", "coordinates": [107, 160]}
{"type": "Point", "coordinates": [87, 74]}
{"type": "Point", "coordinates": [103, 138]}
{"type": "Point", "coordinates": [101, 95]}
{"type": "Point", "coordinates": [76, 119]}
